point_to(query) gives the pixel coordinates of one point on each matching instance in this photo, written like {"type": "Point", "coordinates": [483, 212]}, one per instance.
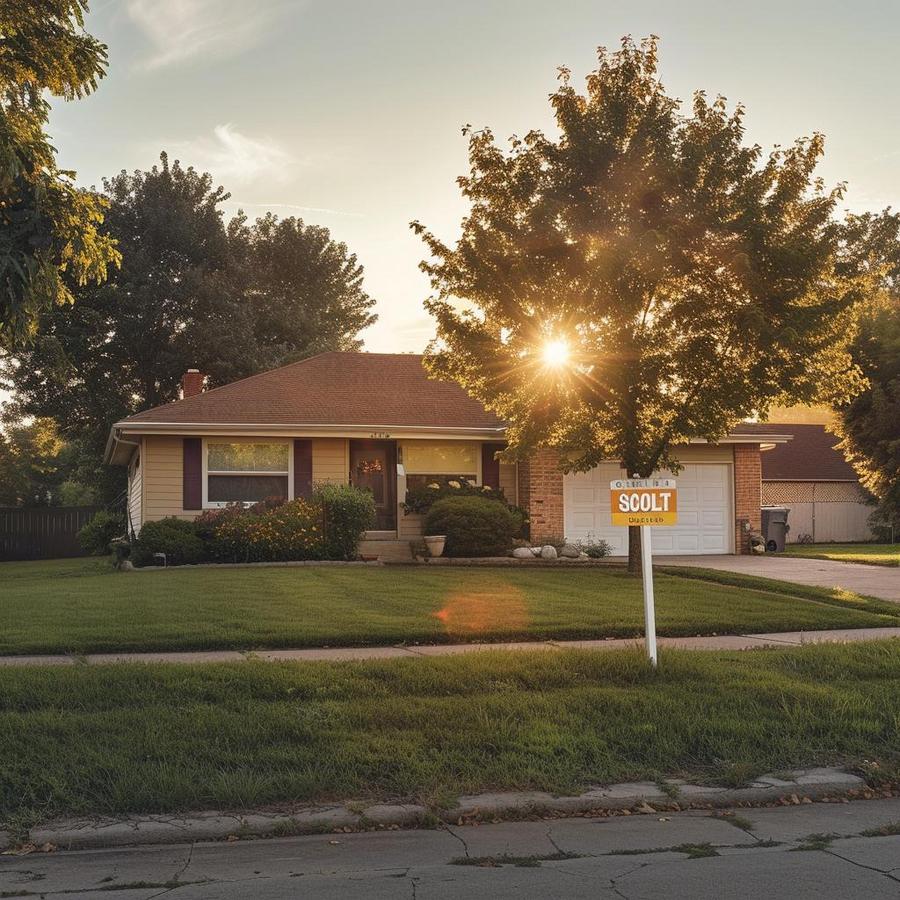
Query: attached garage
{"type": "Point", "coordinates": [705, 516]}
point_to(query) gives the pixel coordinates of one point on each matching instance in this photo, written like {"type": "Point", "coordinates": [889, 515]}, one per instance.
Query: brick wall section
{"type": "Point", "coordinates": [747, 493]}
{"type": "Point", "coordinates": [541, 494]}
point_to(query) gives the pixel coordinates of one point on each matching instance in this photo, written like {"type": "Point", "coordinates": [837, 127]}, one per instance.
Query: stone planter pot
{"type": "Point", "coordinates": [435, 543]}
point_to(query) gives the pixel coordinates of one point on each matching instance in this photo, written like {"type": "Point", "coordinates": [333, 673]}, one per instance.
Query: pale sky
{"type": "Point", "coordinates": [348, 114]}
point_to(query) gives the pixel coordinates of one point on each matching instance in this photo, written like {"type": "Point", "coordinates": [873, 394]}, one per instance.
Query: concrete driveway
{"type": "Point", "coordinates": [873, 581]}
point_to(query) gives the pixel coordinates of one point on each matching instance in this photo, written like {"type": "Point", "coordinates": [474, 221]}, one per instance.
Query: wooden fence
{"type": "Point", "coordinates": [43, 532]}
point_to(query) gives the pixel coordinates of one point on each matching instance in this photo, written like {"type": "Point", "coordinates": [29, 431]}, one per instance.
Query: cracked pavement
{"type": "Point", "coordinates": [746, 853]}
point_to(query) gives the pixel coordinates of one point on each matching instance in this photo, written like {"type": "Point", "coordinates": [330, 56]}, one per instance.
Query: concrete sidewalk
{"type": "Point", "coordinates": [852, 850]}
{"type": "Point", "coordinates": [870, 581]}
{"type": "Point", "coordinates": [343, 654]}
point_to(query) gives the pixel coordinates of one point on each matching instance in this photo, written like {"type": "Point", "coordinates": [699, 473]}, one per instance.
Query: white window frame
{"type": "Point", "coordinates": [218, 504]}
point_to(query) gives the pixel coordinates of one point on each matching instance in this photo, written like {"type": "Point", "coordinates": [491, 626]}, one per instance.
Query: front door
{"type": "Point", "coordinates": [373, 466]}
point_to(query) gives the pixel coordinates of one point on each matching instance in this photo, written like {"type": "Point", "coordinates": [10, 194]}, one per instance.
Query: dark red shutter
{"type": "Point", "coordinates": [302, 467]}
{"type": "Point", "coordinates": [192, 482]}
{"type": "Point", "coordinates": [490, 467]}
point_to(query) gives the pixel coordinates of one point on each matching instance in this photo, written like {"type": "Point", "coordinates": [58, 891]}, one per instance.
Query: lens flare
{"type": "Point", "coordinates": [555, 353]}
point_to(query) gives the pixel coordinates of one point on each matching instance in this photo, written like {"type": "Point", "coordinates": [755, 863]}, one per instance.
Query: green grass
{"type": "Point", "coordinates": [140, 738]}
{"type": "Point", "coordinates": [82, 606]}
{"type": "Point", "coordinates": [869, 554]}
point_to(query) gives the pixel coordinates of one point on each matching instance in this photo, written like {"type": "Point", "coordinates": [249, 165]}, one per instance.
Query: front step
{"type": "Point", "coordinates": [386, 551]}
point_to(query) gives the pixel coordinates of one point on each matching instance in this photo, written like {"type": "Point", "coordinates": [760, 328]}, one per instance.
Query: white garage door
{"type": "Point", "coordinates": [704, 510]}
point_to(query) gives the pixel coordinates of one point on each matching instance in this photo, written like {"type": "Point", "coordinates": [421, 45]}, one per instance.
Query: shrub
{"type": "Point", "coordinates": [290, 532]}
{"type": "Point", "coordinates": [594, 547]}
{"type": "Point", "coordinates": [216, 547]}
{"type": "Point", "coordinates": [474, 526]}
{"type": "Point", "coordinates": [104, 527]}
{"type": "Point", "coordinates": [421, 499]}
{"type": "Point", "coordinates": [348, 512]}
{"type": "Point", "coordinates": [176, 538]}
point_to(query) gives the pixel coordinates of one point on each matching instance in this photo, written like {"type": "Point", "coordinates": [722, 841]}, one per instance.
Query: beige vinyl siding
{"type": "Point", "coordinates": [135, 492]}
{"type": "Point", "coordinates": [330, 461]}
{"type": "Point", "coordinates": [410, 526]}
{"type": "Point", "coordinates": [509, 481]}
{"type": "Point", "coordinates": [162, 467]}
{"type": "Point", "coordinates": [163, 479]}
{"type": "Point", "coordinates": [701, 453]}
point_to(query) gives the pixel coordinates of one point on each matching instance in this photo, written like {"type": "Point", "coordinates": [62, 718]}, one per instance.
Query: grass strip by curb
{"type": "Point", "coordinates": [160, 738]}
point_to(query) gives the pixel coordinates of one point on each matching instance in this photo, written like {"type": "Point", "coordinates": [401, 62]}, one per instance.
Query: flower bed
{"type": "Point", "coordinates": [327, 526]}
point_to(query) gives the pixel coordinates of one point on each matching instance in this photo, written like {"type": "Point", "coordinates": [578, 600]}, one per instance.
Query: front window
{"type": "Point", "coordinates": [438, 462]}
{"type": "Point", "coordinates": [246, 472]}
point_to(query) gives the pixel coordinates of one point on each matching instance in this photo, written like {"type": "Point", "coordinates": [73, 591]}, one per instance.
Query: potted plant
{"type": "Point", "coordinates": [435, 543]}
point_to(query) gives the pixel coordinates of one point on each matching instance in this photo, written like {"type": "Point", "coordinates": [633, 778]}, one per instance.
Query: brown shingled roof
{"type": "Point", "coordinates": [810, 456]}
{"type": "Point", "coordinates": [377, 389]}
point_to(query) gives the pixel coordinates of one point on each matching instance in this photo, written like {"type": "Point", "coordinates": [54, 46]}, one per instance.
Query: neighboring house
{"type": "Point", "coordinates": [811, 477]}
{"type": "Point", "coordinates": [377, 421]}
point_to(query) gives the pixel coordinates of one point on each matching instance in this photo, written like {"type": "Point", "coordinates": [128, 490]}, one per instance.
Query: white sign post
{"type": "Point", "coordinates": [644, 502]}
{"type": "Point", "coordinates": [649, 601]}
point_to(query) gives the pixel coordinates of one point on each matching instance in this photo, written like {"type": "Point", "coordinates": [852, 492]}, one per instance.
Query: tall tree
{"type": "Point", "coordinates": [31, 469]}
{"type": "Point", "coordinates": [870, 423]}
{"type": "Point", "coordinates": [305, 289]}
{"type": "Point", "coordinates": [640, 279]}
{"type": "Point", "coordinates": [191, 292]}
{"type": "Point", "coordinates": [48, 227]}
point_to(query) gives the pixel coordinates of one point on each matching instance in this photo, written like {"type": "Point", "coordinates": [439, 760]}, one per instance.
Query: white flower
{"type": "Point", "coordinates": [472, 482]}
{"type": "Point", "coordinates": [434, 486]}
{"type": "Point", "coordinates": [485, 487]}
{"type": "Point", "coordinates": [454, 484]}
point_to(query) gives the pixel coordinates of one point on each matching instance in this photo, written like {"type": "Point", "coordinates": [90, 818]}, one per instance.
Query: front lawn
{"type": "Point", "coordinates": [870, 554]}
{"type": "Point", "coordinates": [82, 606]}
{"type": "Point", "coordinates": [141, 738]}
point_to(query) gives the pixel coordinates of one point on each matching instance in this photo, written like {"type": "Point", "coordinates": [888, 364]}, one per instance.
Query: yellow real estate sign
{"type": "Point", "coordinates": [644, 501]}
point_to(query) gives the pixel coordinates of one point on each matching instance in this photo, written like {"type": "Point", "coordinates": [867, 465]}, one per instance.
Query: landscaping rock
{"type": "Point", "coordinates": [583, 555]}
{"type": "Point", "coordinates": [570, 551]}
{"type": "Point", "coordinates": [548, 551]}
{"type": "Point", "coordinates": [523, 553]}
{"type": "Point", "coordinates": [536, 551]}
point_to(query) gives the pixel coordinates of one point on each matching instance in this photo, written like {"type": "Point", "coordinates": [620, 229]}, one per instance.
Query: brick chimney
{"type": "Point", "coordinates": [192, 383]}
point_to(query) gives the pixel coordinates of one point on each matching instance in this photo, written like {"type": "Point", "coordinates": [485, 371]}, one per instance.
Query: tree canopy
{"type": "Point", "coordinates": [642, 277]}
{"type": "Point", "coordinates": [192, 291]}
{"type": "Point", "coordinates": [50, 235]}
{"type": "Point", "coordinates": [870, 422]}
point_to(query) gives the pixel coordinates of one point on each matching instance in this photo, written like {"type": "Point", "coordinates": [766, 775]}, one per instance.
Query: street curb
{"type": "Point", "coordinates": [800, 786]}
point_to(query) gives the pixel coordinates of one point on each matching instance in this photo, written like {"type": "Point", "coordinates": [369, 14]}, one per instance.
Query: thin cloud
{"type": "Point", "coordinates": [234, 157]}
{"type": "Point", "coordinates": [181, 30]}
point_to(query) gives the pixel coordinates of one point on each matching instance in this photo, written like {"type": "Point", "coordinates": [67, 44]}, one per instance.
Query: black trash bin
{"type": "Point", "coordinates": [775, 527]}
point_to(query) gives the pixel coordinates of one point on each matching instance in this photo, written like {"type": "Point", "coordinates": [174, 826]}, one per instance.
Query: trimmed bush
{"type": "Point", "coordinates": [474, 526]}
{"type": "Point", "coordinates": [216, 547]}
{"type": "Point", "coordinates": [421, 499]}
{"type": "Point", "coordinates": [348, 512]}
{"type": "Point", "coordinates": [103, 528]}
{"type": "Point", "coordinates": [288, 533]}
{"type": "Point", "coordinates": [176, 538]}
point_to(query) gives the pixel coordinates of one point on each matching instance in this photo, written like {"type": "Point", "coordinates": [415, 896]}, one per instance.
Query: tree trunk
{"type": "Point", "coordinates": [634, 550]}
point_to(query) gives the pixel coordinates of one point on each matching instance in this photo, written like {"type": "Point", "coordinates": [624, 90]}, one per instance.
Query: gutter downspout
{"type": "Point", "coordinates": [115, 439]}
